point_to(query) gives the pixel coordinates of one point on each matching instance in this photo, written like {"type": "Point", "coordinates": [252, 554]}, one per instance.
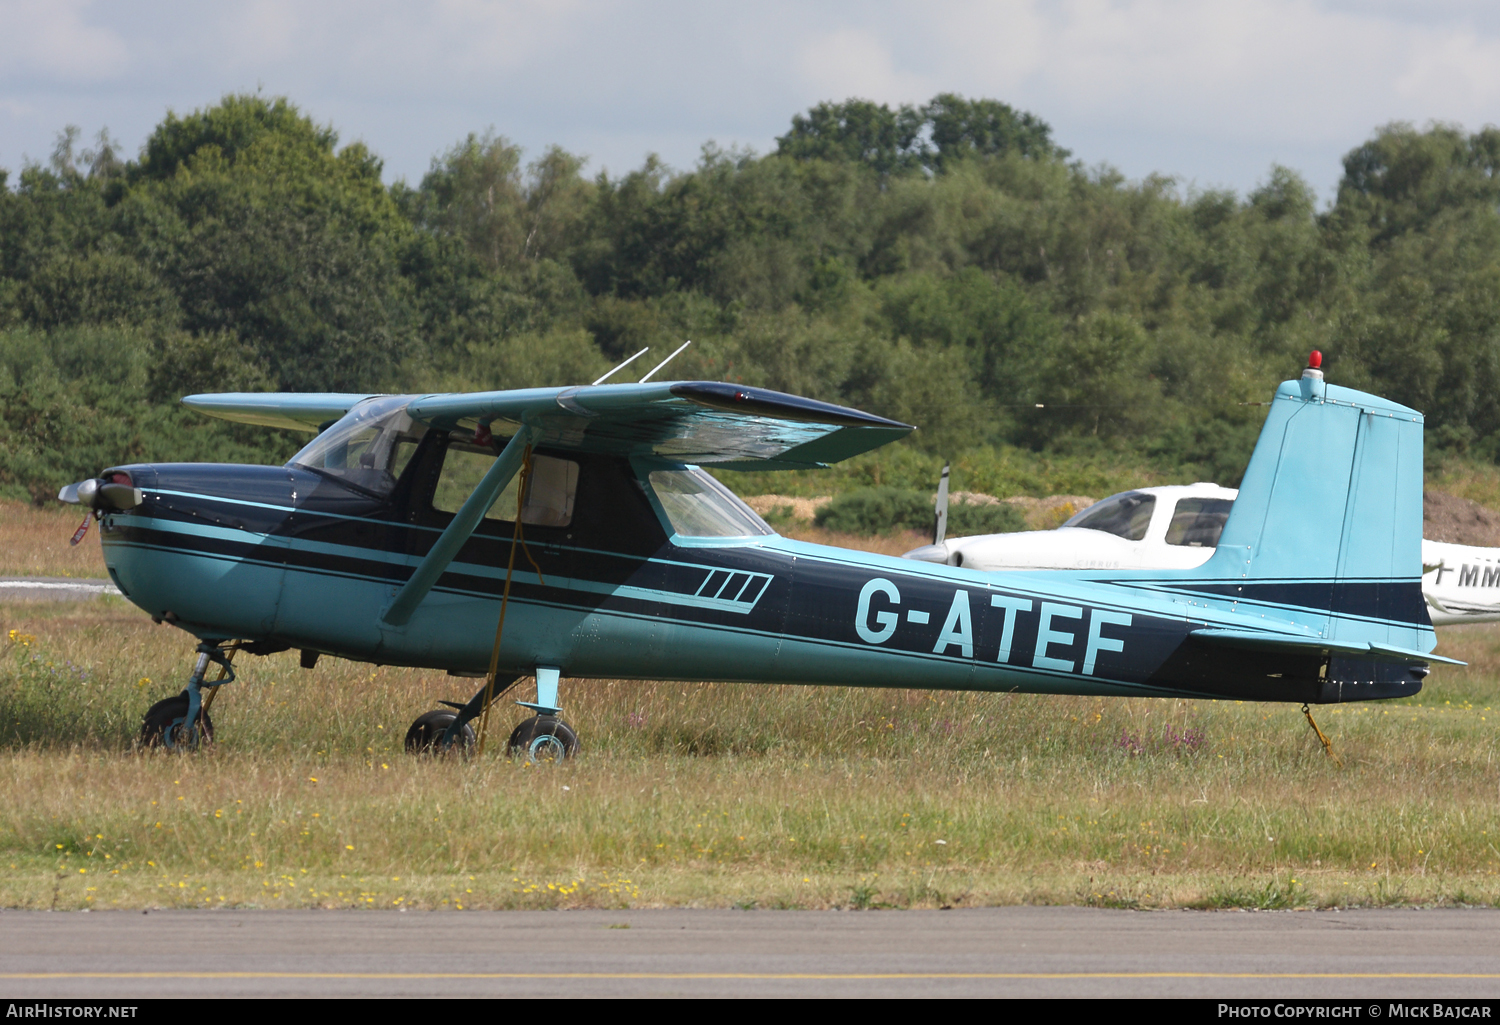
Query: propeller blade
{"type": "Point", "coordinates": [83, 528]}
{"type": "Point", "coordinates": [940, 520]}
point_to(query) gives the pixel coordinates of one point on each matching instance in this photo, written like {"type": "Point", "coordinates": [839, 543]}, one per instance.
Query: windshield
{"type": "Point", "coordinates": [699, 506]}
{"type": "Point", "coordinates": [1198, 522]}
{"type": "Point", "coordinates": [368, 448]}
{"type": "Point", "coordinates": [1125, 515]}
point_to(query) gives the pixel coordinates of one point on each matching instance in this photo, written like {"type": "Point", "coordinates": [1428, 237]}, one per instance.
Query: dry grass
{"type": "Point", "coordinates": [34, 542]}
{"type": "Point", "coordinates": [704, 794]}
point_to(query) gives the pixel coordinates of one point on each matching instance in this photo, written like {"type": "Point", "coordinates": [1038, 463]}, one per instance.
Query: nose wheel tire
{"type": "Point", "coordinates": [165, 726]}
{"type": "Point", "coordinates": [426, 734]}
{"type": "Point", "coordinates": [543, 738]}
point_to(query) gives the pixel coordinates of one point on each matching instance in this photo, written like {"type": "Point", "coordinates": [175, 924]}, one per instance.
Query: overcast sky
{"type": "Point", "coordinates": [1213, 93]}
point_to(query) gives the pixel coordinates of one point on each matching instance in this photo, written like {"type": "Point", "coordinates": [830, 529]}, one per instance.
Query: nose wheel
{"type": "Point", "coordinates": [166, 726]}
{"type": "Point", "coordinates": [182, 723]}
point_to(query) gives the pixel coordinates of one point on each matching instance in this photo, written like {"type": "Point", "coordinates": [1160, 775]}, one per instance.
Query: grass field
{"type": "Point", "coordinates": [724, 795]}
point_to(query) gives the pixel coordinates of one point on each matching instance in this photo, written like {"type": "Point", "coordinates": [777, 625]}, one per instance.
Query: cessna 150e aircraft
{"type": "Point", "coordinates": [402, 535]}
{"type": "Point", "coordinates": [1177, 527]}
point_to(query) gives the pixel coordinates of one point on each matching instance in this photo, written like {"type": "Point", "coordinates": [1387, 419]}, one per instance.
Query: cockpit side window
{"type": "Point", "coordinates": [369, 448]}
{"type": "Point", "coordinates": [1198, 522]}
{"type": "Point", "coordinates": [551, 489]}
{"type": "Point", "coordinates": [1126, 515]}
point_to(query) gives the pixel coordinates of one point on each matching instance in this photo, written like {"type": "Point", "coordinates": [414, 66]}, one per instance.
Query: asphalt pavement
{"type": "Point", "coordinates": [53, 589]}
{"type": "Point", "coordinates": [987, 952]}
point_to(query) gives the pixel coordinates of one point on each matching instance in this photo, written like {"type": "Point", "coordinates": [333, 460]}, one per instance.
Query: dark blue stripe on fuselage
{"type": "Point", "coordinates": [1391, 601]}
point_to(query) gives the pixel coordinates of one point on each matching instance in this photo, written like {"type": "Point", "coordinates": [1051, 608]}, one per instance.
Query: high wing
{"type": "Point", "coordinates": [292, 411]}
{"type": "Point", "coordinates": [703, 422]}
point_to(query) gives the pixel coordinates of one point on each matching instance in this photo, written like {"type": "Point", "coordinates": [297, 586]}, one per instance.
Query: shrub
{"type": "Point", "coordinates": [965, 520]}
{"type": "Point", "coordinates": [883, 510]}
{"type": "Point", "coordinates": [877, 511]}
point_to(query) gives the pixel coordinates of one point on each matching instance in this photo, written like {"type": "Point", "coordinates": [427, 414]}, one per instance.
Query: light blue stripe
{"type": "Point", "coordinates": [470, 569]}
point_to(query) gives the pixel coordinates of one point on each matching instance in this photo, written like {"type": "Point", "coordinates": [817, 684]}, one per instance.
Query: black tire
{"type": "Point", "coordinates": [525, 737]}
{"type": "Point", "coordinates": [160, 716]}
{"type": "Point", "coordinates": [426, 734]}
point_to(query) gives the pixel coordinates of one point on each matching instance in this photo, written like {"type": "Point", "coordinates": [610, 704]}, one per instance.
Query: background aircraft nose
{"type": "Point", "coordinates": [929, 553]}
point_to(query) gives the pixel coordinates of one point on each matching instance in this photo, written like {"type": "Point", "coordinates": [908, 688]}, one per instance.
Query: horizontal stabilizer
{"type": "Point", "coordinates": [293, 411]}
{"type": "Point", "coordinates": [1301, 644]}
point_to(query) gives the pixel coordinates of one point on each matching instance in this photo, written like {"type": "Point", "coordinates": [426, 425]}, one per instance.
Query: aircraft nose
{"type": "Point", "coordinates": [114, 495]}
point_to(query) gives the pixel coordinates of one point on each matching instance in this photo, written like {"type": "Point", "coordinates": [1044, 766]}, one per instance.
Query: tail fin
{"type": "Point", "coordinates": [1327, 529]}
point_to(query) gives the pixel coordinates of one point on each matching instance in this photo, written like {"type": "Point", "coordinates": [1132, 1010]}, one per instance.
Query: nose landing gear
{"type": "Point", "coordinates": [181, 723]}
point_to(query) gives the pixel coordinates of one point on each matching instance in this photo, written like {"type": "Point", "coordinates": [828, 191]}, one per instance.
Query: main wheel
{"type": "Point", "coordinates": [165, 725]}
{"type": "Point", "coordinates": [543, 738]}
{"type": "Point", "coordinates": [426, 734]}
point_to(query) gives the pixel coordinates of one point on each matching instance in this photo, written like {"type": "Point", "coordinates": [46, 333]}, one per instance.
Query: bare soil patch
{"type": "Point", "coordinates": [1458, 520]}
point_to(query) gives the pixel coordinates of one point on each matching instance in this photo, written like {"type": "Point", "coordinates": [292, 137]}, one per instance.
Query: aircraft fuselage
{"type": "Point", "coordinates": [287, 557]}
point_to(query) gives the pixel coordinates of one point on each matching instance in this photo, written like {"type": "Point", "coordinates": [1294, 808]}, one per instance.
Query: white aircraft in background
{"type": "Point", "coordinates": [1177, 527]}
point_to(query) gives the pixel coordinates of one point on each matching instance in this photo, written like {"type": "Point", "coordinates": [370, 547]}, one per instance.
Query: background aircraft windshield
{"type": "Point", "coordinates": [1126, 515]}
{"type": "Point", "coordinates": [367, 448]}
{"type": "Point", "coordinates": [700, 506]}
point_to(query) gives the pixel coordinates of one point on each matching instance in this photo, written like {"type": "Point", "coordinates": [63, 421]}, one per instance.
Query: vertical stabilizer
{"type": "Point", "coordinates": [1328, 523]}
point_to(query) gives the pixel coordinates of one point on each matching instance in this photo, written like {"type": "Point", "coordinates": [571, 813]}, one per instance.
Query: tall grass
{"type": "Point", "coordinates": [720, 794]}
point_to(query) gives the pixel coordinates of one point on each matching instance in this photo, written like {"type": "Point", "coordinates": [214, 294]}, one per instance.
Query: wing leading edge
{"type": "Point", "coordinates": [293, 411]}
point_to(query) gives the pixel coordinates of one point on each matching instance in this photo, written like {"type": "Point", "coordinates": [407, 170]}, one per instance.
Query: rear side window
{"type": "Point", "coordinates": [1125, 515]}
{"type": "Point", "coordinates": [1198, 522]}
{"type": "Point", "coordinates": [699, 506]}
{"type": "Point", "coordinates": [549, 501]}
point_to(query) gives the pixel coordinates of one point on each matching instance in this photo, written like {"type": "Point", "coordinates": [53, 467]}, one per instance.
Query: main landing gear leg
{"type": "Point", "coordinates": [182, 723]}
{"type": "Point", "coordinates": [442, 731]}
{"type": "Point", "coordinates": [544, 737]}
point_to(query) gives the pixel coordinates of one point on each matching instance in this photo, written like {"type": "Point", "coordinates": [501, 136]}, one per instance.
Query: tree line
{"type": "Point", "coordinates": [946, 264]}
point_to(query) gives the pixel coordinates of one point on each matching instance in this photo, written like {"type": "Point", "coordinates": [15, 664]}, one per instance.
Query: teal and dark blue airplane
{"type": "Point", "coordinates": [392, 539]}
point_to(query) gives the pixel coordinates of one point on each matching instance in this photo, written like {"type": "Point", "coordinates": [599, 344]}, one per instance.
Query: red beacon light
{"type": "Point", "coordinates": [1314, 371]}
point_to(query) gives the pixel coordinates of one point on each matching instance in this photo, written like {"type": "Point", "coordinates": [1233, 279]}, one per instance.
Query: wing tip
{"type": "Point", "coordinates": [752, 401]}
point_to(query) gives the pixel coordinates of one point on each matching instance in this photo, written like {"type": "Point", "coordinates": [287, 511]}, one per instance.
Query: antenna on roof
{"type": "Point", "coordinates": [627, 363]}
{"type": "Point", "coordinates": [664, 362]}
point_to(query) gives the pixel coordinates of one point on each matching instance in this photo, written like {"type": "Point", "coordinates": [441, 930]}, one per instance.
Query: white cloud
{"type": "Point", "coordinates": [53, 41]}
{"type": "Point", "coordinates": [1275, 68]}
{"type": "Point", "coordinates": [856, 62]}
{"type": "Point", "coordinates": [1212, 90]}
{"type": "Point", "coordinates": [1456, 74]}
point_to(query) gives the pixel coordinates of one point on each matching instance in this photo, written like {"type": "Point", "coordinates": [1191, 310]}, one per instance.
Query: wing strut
{"type": "Point", "coordinates": [445, 549]}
